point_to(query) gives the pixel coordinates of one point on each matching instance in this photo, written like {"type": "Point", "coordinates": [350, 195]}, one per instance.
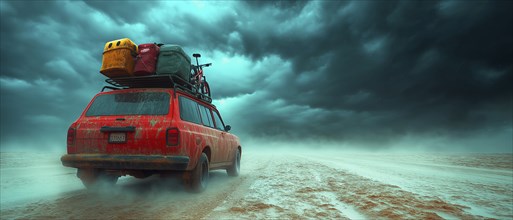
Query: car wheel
{"type": "Point", "coordinates": [199, 176]}
{"type": "Point", "coordinates": [93, 178]}
{"type": "Point", "coordinates": [234, 169]}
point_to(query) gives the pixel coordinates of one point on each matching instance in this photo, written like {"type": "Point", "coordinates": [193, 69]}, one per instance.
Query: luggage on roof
{"type": "Point", "coordinates": [146, 61]}
{"type": "Point", "coordinates": [174, 61]}
{"type": "Point", "coordinates": [118, 58]}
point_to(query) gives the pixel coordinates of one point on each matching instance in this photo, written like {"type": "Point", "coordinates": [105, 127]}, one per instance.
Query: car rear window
{"type": "Point", "coordinates": [134, 103]}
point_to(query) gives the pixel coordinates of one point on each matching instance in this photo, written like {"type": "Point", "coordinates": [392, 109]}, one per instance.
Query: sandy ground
{"type": "Point", "coordinates": [299, 185]}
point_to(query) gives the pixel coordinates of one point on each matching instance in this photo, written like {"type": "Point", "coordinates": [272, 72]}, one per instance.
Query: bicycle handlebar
{"type": "Point", "coordinates": [202, 65]}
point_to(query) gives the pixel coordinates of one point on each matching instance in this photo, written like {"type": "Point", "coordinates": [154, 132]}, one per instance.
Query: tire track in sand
{"type": "Point", "coordinates": [298, 188]}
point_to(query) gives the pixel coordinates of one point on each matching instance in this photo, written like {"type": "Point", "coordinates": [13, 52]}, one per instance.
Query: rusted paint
{"type": "Point", "coordinates": [153, 122]}
{"type": "Point", "coordinates": [138, 133]}
{"type": "Point", "coordinates": [158, 133]}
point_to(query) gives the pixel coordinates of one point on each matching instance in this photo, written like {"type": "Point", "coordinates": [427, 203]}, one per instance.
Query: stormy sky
{"type": "Point", "coordinates": [375, 74]}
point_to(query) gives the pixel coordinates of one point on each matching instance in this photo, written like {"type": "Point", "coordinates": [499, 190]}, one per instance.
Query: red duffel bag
{"type": "Point", "coordinates": [146, 60]}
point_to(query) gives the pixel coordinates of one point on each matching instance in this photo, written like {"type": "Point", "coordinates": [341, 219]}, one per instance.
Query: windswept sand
{"type": "Point", "coordinates": [299, 185]}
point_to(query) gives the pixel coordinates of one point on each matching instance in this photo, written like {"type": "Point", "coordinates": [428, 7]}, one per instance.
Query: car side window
{"type": "Point", "coordinates": [206, 116]}
{"type": "Point", "coordinates": [219, 122]}
{"type": "Point", "coordinates": [189, 110]}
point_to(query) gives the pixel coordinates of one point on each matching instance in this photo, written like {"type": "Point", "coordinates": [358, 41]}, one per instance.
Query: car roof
{"type": "Point", "coordinates": [170, 90]}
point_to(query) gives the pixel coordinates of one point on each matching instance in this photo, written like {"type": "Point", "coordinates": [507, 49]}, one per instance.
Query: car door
{"type": "Point", "coordinates": [223, 143]}
{"type": "Point", "coordinates": [191, 129]}
{"type": "Point", "coordinates": [211, 134]}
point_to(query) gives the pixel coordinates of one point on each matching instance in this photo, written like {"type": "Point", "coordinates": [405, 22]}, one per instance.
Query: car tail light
{"type": "Point", "coordinates": [71, 136]}
{"type": "Point", "coordinates": [172, 136]}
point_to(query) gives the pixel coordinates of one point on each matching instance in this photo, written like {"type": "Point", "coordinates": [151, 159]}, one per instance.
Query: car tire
{"type": "Point", "coordinates": [92, 178]}
{"type": "Point", "coordinates": [234, 169]}
{"type": "Point", "coordinates": [199, 175]}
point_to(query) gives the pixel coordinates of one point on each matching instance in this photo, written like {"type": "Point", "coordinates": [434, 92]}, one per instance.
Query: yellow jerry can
{"type": "Point", "coordinates": [119, 58]}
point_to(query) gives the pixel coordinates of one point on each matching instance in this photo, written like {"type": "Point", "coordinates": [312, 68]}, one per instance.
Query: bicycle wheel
{"type": "Point", "coordinates": [205, 88]}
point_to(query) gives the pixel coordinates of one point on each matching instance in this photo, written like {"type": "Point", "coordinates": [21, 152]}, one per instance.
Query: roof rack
{"type": "Point", "coordinates": [156, 81]}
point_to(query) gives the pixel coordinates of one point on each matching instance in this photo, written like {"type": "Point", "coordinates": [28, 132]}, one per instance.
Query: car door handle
{"type": "Point", "coordinates": [119, 129]}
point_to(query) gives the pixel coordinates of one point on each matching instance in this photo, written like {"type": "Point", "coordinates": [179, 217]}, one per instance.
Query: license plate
{"type": "Point", "coordinates": [117, 137]}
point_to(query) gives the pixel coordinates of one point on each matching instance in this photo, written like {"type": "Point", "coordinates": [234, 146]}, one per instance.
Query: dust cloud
{"type": "Point", "coordinates": [304, 180]}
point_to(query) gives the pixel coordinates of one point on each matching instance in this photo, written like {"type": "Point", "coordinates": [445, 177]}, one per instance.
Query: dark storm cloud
{"type": "Point", "coordinates": [120, 11]}
{"type": "Point", "coordinates": [416, 66]}
{"type": "Point", "coordinates": [343, 70]}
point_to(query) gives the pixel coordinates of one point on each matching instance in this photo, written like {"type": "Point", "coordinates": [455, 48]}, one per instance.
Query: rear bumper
{"type": "Point", "coordinates": [125, 162]}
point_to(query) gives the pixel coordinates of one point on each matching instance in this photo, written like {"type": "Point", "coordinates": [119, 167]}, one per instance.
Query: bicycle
{"type": "Point", "coordinates": [198, 80]}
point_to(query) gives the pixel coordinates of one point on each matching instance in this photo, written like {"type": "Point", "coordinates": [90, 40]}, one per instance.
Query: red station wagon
{"type": "Point", "coordinates": [145, 131]}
